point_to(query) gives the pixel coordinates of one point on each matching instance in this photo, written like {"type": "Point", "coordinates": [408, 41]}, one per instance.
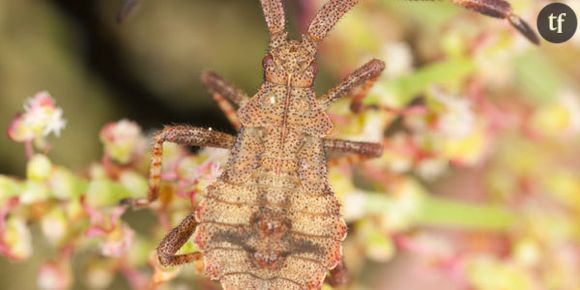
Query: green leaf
{"type": "Point", "coordinates": [443, 212]}
{"type": "Point", "coordinates": [449, 73]}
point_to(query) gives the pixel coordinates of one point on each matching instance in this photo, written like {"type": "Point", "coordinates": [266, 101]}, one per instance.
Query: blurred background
{"type": "Point", "coordinates": [479, 189]}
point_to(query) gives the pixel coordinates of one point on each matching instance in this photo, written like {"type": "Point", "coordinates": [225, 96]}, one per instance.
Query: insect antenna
{"type": "Point", "coordinates": [327, 17]}
{"type": "Point", "coordinates": [275, 20]}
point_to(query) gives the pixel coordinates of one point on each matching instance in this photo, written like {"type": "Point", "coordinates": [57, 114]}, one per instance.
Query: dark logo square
{"type": "Point", "coordinates": [557, 22]}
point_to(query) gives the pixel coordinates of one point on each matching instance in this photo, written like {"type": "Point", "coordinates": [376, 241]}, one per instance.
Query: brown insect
{"type": "Point", "coordinates": [271, 220]}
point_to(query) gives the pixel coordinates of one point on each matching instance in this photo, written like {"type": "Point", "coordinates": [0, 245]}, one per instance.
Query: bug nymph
{"type": "Point", "coordinates": [271, 220]}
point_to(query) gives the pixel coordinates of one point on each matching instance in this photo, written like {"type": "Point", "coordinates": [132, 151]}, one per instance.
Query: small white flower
{"type": "Point", "coordinates": [55, 123]}
{"type": "Point", "coordinates": [432, 168]}
{"type": "Point", "coordinates": [41, 117]}
{"type": "Point", "coordinates": [353, 207]}
{"type": "Point", "coordinates": [400, 59]}
{"type": "Point", "coordinates": [458, 120]}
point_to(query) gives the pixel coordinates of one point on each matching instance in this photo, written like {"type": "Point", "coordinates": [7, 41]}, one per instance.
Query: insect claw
{"type": "Point", "coordinates": [524, 28]}
{"type": "Point", "coordinates": [126, 202]}
{"type": "Point", "coordinates": [500, 9]}
{"type": "Point", "coordinates": [133, 203]}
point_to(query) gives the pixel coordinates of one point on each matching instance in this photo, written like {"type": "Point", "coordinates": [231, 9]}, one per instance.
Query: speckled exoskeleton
{"type": "Point", "coordinates": [271, 220]}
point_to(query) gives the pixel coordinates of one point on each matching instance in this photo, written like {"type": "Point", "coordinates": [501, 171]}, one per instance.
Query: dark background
{"type": "Point", "coordinates": [146, 69]}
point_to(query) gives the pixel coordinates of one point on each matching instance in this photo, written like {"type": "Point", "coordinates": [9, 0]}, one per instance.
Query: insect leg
{"type": "Point", "coordinates": [224, 94]}
{"type": "Point", "coordinates": [338, 275]}
{"type": "Point", "coordinates": [365, 149]}
{"type": "Point", "coordinates": [182, 135]}
{"type": "Point", "coordinates": [357, 82]}
{"type": "Point", "coordinates": [360, 151]}
{"type": "Point", "coordinates": [500, 9]}
{"type": "Point", "coordinates": [174, 241]}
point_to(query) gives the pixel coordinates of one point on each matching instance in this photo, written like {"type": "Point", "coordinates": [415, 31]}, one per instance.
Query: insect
{"type": "Point", "coordinates": [271, 220]}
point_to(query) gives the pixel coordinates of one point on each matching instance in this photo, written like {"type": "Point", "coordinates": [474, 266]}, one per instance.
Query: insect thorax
{"type": "Point", "coordinates": [272, 214]}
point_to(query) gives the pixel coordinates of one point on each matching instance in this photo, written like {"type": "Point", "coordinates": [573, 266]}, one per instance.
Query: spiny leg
{"type": "Point", "coordinates": [223, 93]}
{"type": "Point", "coordinates": [365, 149]}
{"type": "Point", "coordinates": [500, 9]}
{"type": "Point", "coordinates": [174, 241]}
{"type": "Point", "coordinates": [182, 135]}
{"type": "Point", "coordinates": [338, 276]}
{"type": "Point", "coordinates": [363, 77]}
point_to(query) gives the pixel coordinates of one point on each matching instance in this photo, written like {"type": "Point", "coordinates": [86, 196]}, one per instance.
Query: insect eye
{"type": "Point", "coordinates": [267, 61]}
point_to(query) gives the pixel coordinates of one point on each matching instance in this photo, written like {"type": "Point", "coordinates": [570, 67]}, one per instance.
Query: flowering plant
{"type": "Point", "coordinates": [478, 187]}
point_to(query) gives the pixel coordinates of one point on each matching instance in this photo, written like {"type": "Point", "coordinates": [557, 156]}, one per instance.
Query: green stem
{"type": "Point", "coordinates": [449, 213]}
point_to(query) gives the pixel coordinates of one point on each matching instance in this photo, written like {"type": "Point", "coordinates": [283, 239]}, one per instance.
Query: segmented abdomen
{"type": "Point", "coordinates": [275, 230]}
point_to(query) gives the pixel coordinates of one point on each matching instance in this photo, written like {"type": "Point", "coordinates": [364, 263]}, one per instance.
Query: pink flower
{"type": "Point", "coordinates": [192, 179]}
{"type": "Point", "coordinates": [122, 140]}
{"type": "Point", "coordinates": [103, 223]}
{"type": "Point", "coordinates": [15, 237]}
{"type": "Point", "coordinates": [55, 275]}
{"type": "Point", "coordinates": [107, 224]}
{"type": "Point", "coordinates": [118, 242]}
{"type": "Point", "coordinates": [40, 118]}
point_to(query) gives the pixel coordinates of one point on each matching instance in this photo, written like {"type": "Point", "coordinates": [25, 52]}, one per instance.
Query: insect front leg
{"type": "Point", "coordinates": [174, 241]}
{"type": "Point", "coordinates": [500, 9]}
{"type": "Point", "coordinates": [225, 94]}
{"type": "Point", "coordinates": [182, 135]}
{"type": "Point", "coordinates": [358, 82]}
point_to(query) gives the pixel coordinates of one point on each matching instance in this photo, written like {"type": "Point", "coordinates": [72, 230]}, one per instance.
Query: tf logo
{"type": "Point", "coordinates": [557, 22]}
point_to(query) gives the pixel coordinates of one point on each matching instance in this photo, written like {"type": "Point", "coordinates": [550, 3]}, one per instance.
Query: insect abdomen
{"type": "Point", "coordinates": [278, 227]}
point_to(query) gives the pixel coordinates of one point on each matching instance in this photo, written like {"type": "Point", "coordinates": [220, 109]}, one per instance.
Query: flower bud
{"type": "Point", "coordinates": [99, 275]}
{"type": "Point", "coordinates": [9, 188]}
{"type": "Point", "coordinates": [103, 193]}
{"type": "Point", "coordinates": [118, 242]}
{"type": "Point", "coordinates": [39, 168]}
{"type": "Point", "coordinates": [17, 238]}
{"type": "Point", "coordinates": [378, 246]}
{"type": "Point", "coordinates": [34, 192]}
{"type": "Point", "coordinates": [122, 141]}
{"type": "Point", "coordinates": [55, 275]}
{"type": "Point", "coordinates": [54, 226]}
{"type": "Point", "coordinates": [134, 183]}
{"type": "Point", "coordinates": [64, 184]}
